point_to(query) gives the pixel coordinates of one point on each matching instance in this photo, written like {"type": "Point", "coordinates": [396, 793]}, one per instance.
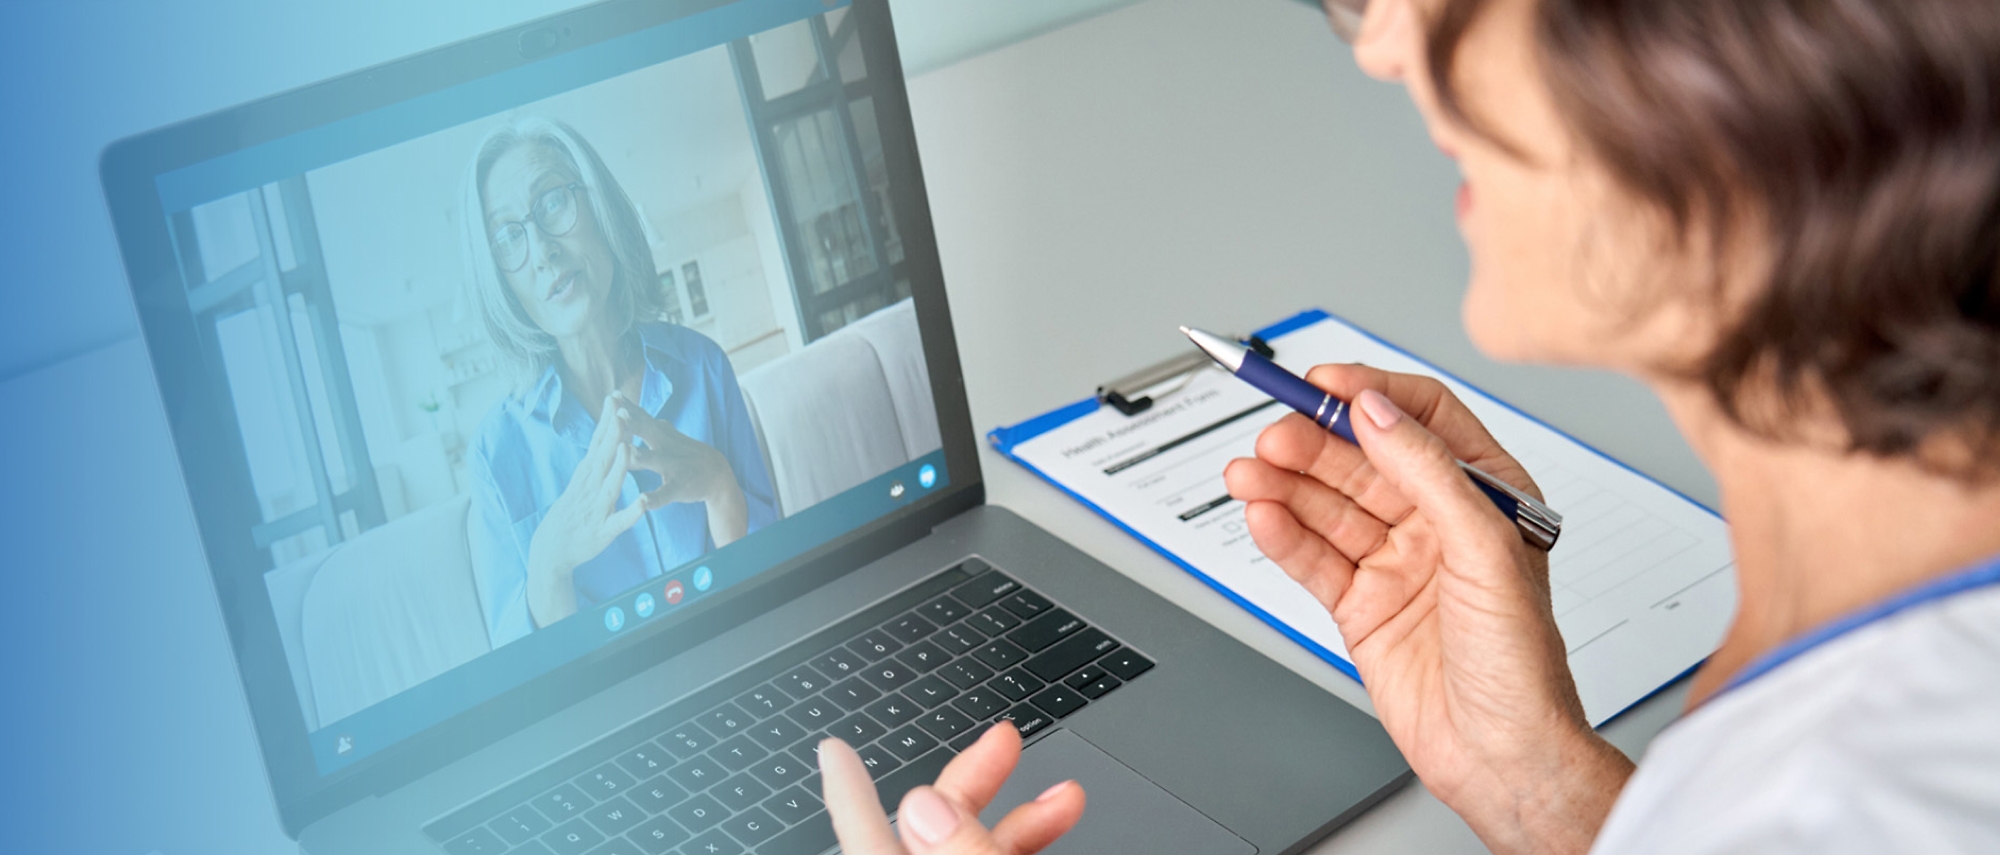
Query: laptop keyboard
{"type": "Point", "coordinates": [733, 769]}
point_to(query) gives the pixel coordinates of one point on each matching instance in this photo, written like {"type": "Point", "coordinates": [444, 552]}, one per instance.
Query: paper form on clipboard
{"type": "Point", "coordinates": [1642, 577]}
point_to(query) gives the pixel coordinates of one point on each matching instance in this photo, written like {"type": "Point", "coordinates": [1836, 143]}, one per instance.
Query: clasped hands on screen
{"type": "Point", "coordinates": [585, 519]}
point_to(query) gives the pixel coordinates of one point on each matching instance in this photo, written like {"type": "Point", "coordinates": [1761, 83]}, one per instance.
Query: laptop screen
{"type": "Point", "coordinates": [517, 370]}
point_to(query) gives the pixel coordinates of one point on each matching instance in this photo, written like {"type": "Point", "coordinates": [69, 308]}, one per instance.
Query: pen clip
{"type": "Point", "coordinates": [1125, 393]}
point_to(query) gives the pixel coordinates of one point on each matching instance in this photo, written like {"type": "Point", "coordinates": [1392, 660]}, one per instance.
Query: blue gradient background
{"type": "Point", "coordinates": [122, 726]}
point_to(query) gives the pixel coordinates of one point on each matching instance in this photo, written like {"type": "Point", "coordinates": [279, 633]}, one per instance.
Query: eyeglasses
{"type": "Point", "coordinates": [554, 213]}
{"type": "Point", "coordinates": [1345, 15]}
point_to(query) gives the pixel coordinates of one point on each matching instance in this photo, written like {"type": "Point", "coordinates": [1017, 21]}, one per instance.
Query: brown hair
{"type": "Point", "coordinates": [1862, 137]}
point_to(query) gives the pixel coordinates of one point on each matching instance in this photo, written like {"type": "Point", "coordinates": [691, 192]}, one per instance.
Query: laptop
{"type": "Point", "coordinates": [576, 436]}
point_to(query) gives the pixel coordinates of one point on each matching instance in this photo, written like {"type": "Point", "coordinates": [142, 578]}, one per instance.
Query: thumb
{"type": "Point", "coordinates": [931, 824]}
{"type": "Point", "coordinates": [1420, 465]}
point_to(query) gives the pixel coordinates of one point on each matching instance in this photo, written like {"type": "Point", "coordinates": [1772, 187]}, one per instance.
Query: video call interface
{"type": "Point", "coordinates": [510, 390]}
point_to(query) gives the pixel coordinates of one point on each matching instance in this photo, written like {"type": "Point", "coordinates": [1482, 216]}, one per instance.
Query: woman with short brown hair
{"type": "Point", "coordinates": [1784, 217]}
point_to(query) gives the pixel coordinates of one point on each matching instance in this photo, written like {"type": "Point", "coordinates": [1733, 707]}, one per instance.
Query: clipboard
{"type": "Point", "coordinates": [1647, 583]}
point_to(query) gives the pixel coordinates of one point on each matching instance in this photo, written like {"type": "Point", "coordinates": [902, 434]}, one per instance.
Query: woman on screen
{"type": "Point", "coordinates": [627, 450]}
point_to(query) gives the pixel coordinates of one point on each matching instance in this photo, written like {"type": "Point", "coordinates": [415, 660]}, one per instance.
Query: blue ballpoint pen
{"type": "Point", "coordinates": [1539, 524]}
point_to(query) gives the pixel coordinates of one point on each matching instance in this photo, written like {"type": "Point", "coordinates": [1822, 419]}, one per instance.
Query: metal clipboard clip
{"type": "Point", "coordinates": [1123, 394]}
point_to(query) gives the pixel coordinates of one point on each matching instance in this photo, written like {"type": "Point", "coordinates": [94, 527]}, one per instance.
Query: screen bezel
{"type": "Point", "coordinates": [198, 413]}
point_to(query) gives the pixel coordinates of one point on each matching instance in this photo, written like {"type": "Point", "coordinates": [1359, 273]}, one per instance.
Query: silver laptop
{"type": "Point", "coordinates": [576, 434]}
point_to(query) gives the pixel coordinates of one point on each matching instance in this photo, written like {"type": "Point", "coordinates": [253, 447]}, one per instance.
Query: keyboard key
{"type": "Point", "coordinates": [812, 784]}
{"type": "Point", "coordinates": [686, 740]}
{"type": "Point", "coordinates": [738, 753]}
{"type": "Point", "coordinates": [658, 835]}
{"type": "Point", "coordinates": [778, 770]}
{"type": "Point", "coordinates": [1126, 664]}
{"type": "Point", "coordinates": [974, 566]}
{"type": "Point", "coordinates": [878, 760]}
{"type": "Point", "coordinates": [923, 656]}
{"type": "Point", "coordinates": [812, 837]}
{"type": "Point", "coordinates": [1070, 654]}
{"type": "Point", "coordinates": [605, 781]}
{"type": "Point", "coordinates": [1085, 676]}
{"type": "Point", "coordinates": [1027, 719]}
{"type": "Point", "coordinates": [698, 813]}
{"type": "Point", "coordinates": [763, 701]}
{"type": "Point", "coordinates": [874, 644]}
{"type": "Point", "coordinates": [562, 803]}
{"type": "Point", "coordinates": [1026, 603]}
{"type": "Point", "coordinates": [1016, 684]}
{"type": "Point", "coordinates": [965, 673]}
{"type": "Point", "coordinates": [982, 591]}
{"type": "Point", "coordinates": [740, 792]}
{"type": "Point", "coordinates": [959, 639]}
{"type": "Point", "coordinates": [1098, 687]}
{"type": "Point", "coordinates": [893, 711]}
{"type": "Point", "coordinates": [752, 826]}
{"type": "Point", "coordinates": [857, 729]}
{"type": "Point", "coordinates": [698, 774]}
{"type": "Point", "coordinates": [712, 843]}
{"type": "Point", "coordinates": [1059, 701]}
{"type": "Point", "coordinates": [909, 743]}
{"type": "Point", "coordinates": [645, 761]}
{"type": "Point", "coordinates": [980, 703]}
{"type": "Point", "coordinates": [964, 740]}
{"type": "Point", "coordinates": [1046, 630]}
{"type": "Point", "coordinates": [726, 720]}
{"type": "Point", "coordinates": [853, 693]}
{"type": "Point", "coordinates": [616, 846]}
{"type": "Point", "coordinates": [838, 663]}
{"type": "Point", "coordinates": [519, 824]}
{"type": "Point", "coordinates": [999, 655]}
{"type": "Point", "coordinates": [930, 691]}
{"type": "Point", "coordinates": [572, 838]}
{"type": "Point", "coordinates": [815, 714]}
{"type": "Point", "coordinates": [993, 621]}
{"type": "Point", "coordinates": [891, 788]}
{"type": "Point", "coordinates": [889, 675]}
{"type": "Point", "coordinates": [944, 723]}
{"type": "Point", "coordinates": [614, 816]}
{"type": "Point", "coordinates": [908, 629]}
{"type": "Point", "coordinates": [776, 733]}
{"type": "Point", "coordinates": [803, 682]}
{"type": "Point", "coordinates": [793, 805]}
{"type": "Point", "coordinates": [943, 610]}
{"type": "Point", "coordinates": [808, 751]}
{"type": "Point", "coordinates": [478, 841]}
{"type": "Point", "coordinates": [657, 794]}
{"type": "Point", "coordinates": [532, 847]}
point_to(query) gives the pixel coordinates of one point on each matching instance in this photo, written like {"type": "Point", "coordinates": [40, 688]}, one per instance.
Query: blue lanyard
{"type": "Point", "coordinates": [1979, 576]}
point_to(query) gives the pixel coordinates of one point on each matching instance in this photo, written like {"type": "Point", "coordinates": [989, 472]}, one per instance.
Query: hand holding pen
{"type": "Point", "coordinates": [1444, 607]}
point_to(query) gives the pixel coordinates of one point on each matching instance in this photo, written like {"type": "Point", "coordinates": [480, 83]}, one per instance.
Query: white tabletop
{"type": "Point", "coordinates": [1221, 163]}
{"type": "Point", "coordinates": [1209, 161]}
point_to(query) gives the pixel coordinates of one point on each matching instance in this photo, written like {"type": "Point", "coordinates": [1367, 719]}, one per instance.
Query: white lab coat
{"type": "Point", "coordinates": [1883, 739]}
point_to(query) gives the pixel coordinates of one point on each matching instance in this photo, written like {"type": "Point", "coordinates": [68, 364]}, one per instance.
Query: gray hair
{"type": "Point", "coordinates": [635, 294]}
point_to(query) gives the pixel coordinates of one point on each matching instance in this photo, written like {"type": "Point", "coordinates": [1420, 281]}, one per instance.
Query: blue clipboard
{"type": "Point", "coordinates": [1007, 439]}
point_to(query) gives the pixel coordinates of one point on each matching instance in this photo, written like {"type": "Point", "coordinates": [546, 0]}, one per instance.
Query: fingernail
{"type": "Point", "coordinates": [929, 816]}
{"type": "Point", "coordinates": [1378, 408]}
{"type": "Point", "coordinates": [1051, 792]}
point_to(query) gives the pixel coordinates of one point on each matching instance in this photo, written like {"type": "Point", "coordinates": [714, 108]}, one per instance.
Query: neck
{"type": "Point", "coordinates": [1819, 533]}
{"type": "Point", "coordinates": [594, 364]}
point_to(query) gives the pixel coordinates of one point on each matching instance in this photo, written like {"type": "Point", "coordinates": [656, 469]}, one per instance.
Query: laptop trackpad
{"type": "Point", "coordinates": [1124, 812]}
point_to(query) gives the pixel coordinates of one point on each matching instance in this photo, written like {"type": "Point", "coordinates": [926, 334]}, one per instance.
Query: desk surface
{"type": "Point", "coordinates": [1209, 161]}
{"type": "Point", "coordinates": [1221, 164]}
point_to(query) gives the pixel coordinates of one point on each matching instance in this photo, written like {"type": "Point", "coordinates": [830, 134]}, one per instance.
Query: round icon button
{"type": "Point", "coordinates": [927, 476]}
{"type": "Point", "coordinates": [675, 592]}
{"type": "Point", "coordinates": [614, 618]}
{"type": "Point", "coordinates": [643, 605]}
{"type": "Point", "coordinates": [703, 578]}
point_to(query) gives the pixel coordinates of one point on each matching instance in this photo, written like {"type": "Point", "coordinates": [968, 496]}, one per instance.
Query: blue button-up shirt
{"type": "Point", "coordinates": [531, 441]}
